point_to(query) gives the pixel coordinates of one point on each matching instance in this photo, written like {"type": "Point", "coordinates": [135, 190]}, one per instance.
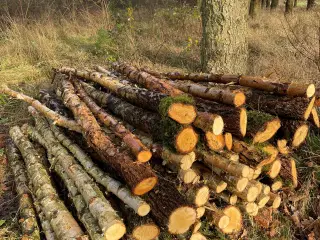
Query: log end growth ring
{"type": "Point", "coordinates": [182, 113]}
{"type": "Point", "coordinates": [202, 196]}
{"type": "Point", "coordinates": [186, 140]}
{"type": "Point", "coordinates": [145, 186]}
{"type": "Point", "coordinates": [275, 169]}
{"type": "Point", "coordinates": [239, 99]}
{"type": "Point", "coordinates": [235, 217]}
{"type": "Point", "coordinates": [146, 232]}
{"type": "Point", "coordinates": [242, 184]}
{"type": "Point", "coordinates": [221, 187]}
{"type": "Point", "coordinates": [144, 156]}
{"type": "Point", "coordinates": [252, 194]}
{"type": "Point", "coordinates": [143, 210]}
{"type": "Point", "coordinates": [115, 232]}
{"type": "Point", "coordinates": [181, 220]}
{"type": "Point", "coordinates": [268, 132]}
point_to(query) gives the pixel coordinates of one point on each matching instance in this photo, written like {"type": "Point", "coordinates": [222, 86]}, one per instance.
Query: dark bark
{"type": "Point", "coordinates": [255, 6]}
{"type": "Point", "coordinates": [274, 4]}
{"type": "Point", "coordinates": [289, 6]}
{"type": "Point", "coordinates": [311, 4]}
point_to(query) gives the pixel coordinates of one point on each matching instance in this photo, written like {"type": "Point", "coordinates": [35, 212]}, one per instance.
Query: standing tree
{"type": "Point", "coordinates": [263, 3]}
{"type": "Point", "coordinates": [268, 3]}
{"type": "Point", "coordinates": [295, 4]}
{"type": "Point", "coordinates": [255, 6]}
{"type": "Point", "coordinates": [311, 4]}
{"type": "Point", "coordinates": [224, 46]}
{"type": "Point", "coordinates": [289, 6]}
{"type": "Point", "coordinates": [274, 4]}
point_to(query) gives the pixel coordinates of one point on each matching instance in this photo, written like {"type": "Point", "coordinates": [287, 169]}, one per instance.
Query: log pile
{"type": "Point", "coordinates": [142, 153]}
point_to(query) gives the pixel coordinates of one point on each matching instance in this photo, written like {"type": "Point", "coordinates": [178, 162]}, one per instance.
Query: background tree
{"type": "Point", "coordinates": [289, 6]}
{"type": "Point", "coordinates": [255, 6]}
{"type": "Point", "coordinates": [268, 3]}
{"type": "Point", "coordinates": [224, 47]}
{"type": "Point", "coordinates": [263, 3]}
{"type": "Point", "coordinates": [311, 4]}
{"type": "Point", "coordinates": [295, 3]}
{"type": "Point", "coordinates": [274, 4]}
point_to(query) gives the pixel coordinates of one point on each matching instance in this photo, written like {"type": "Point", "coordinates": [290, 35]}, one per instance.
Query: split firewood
{"type": "Point", "coordinates": [99, 207]}
{"type": "Point", "coordinates": [55, 117]}
{"type": "Point", "coordinates": [178, 108]}
{"type": "Point", "coordinates": [314, 117]}
{"type": "Point", "coordinates": [215, 160]}
{"type": "Point", "coordinates": [210, 178]}
{"type": "Point", "coordinates": [170, 132]}
{"type": "Point", "coordinates": [27, 215]}
{"type": "Point", "coordinates": [235, 119]}
{"type": "Point", "coordinates": [61, 220]}
{"type": "Point", "coordinates": [112, 185]}
{"type": "Point", "coordinates": [139, 177]}
{"type": "Point", "coordinates": [274, 201]}
{"type": "Point", "coordinates": [136, 146]}
{"type": "Point", "coordinates": [289, 171]}
{"type": "Point", "coordinates": [295, 132]}
{"type": "Point", "coordinates": [235, 216]}
{"type": "Point", "coordinates": [216, 216]}
{"type": "Point", "coordinates": [209, 122]}
{"type": "Point", "coordinates": [260, 83]}
{"type": "Point", "coordinates": [261, 126]}
{"type": "Point", "coordinates": [170, 209]}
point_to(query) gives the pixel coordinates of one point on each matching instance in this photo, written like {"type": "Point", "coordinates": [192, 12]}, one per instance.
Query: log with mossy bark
{"type": "Point", "coordinates": [235, 119]}
{"type": "Point", "coordinates": [260, 83]}
{"type": "Point", "coordinates": [261, 126]}
{"type": "Point", "coordinates": [139, 177]}
{"type": "Point", "coordinates": [184, 139]}
{"type": "Point", "coordinates": [61, 220]}
{"type": "Point", "coordinates": [27, 215]}
{"type": "Point", "coordinates": [179, 108]}
{"type": "Point", "coordinates": [141, 152]}
{"type": "Point", "coordinates": [55, 117]}
{"type": "Point", "coordinates": [289, 171]}
{"type": "Point", "coordinates": [294, 131]}
{"type": "Point", "coordinates": [170, 209]}
{"type": "Point", "coordinates": [209, 122]}
{"type": "Point", "coordinates": [99, 207]}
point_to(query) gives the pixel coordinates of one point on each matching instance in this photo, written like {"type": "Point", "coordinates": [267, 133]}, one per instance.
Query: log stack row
{"type": "Point", "coordinates": [143, 154]}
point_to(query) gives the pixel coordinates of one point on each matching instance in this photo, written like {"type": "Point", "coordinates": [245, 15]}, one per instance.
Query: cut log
{"type": "Point", "coordinates": [197, 194]}
{"type": "Point", "coordinates": [167, 131]}
{"type": "Point", "coordinates": [188, 176]}
{"type": "Point", "coordinates": [216, 216]}
{"type": "Point", "coordinates": [61, 220]}
{"type": "Point", "coordinates": [283, 147]}
{"type": "Point", "coordinates": [289, 171]}
{"type": "Point", "coordinates": [249, 194]}
{"type": "Point", "coordinates": [261, 83]}
{"type": "Point", "coordinates": [139, 177]}
{"type": "Point", "coordinates": [272, 169]}
{"type": "Point", "coordinates": [27, 215]}
{"type": "Point", "coordinates": [141, 152]}
{"type": "Point", "coordinates": [112, 185]}
{"type": "Point", "coordinates": [209, 122]}
{"type": "Point", "coordinates": [235, 216]}
{"type": "Point", "coordinates": [233, 98]}
{"type": "Point", "coordinates": [314, 117]}
{"type": "Point", "coordinates": [235, 119]}
{"type": "Point", "coordinates": [234, 157]}
{"type": "Point", "coordinates": [275, 184]}
{"type": "Point", "coordinates": [228, 141]}
{"type": "Point", "coordinates": [274, 201]}
{"type": "Point", "coordinates": [55, 117]}
{"type": "Point", "coordinates": [211, 179]}
{"type": "Point", "coordinates": [178, 108]}
{"type": "Point", "coordinates": [251, 208]}
{"type": "Point", "coordinates": [200, 212]}
{"type": "Point", "coordinates": [197, 236]}
{"type": "Point", "coordinates": [170, 209]}
{"type": "Point", "coordinates": [293, 131]}
{"type": "Point", "coordinates": [196, 226]}
{"type": "Point", "coordinates": [91, 196]}
{"type": "Point", "coordinates": [45, 224]}
{"type": "Point", "coordinates": [227, 198]}
{"type": "Point", "coordinates": [262, 200]}
{"type": "Point", "coordinates": [215, 160]}
{"type": "Point", "coordinates": [215, 142]}
{"type": "Point", "coordinates": [261, 126]}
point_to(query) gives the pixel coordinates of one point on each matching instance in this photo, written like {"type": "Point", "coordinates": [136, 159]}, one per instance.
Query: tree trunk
{"type": "Point", "coordinates": [28, 219]}
{"type": "Point", "coordinates": [135, 145]}
{"type": "Point", "coordinates": [311, 4]}
{"type": "Point", "coordinates": [178, 108]}
{"type": "Point", "coordinates": [139, 177]}
{"type": "Point", "coordinates": [295, 4]}
{"type": "Point", "coordinates": [263, 4]}
{"type": "Point", "coordinates": [170, 209]}
{"type": "Point", "coordinates": [289, 6]}
{"type": "Point", "coordinates": [224, 46]}
{"type": "Point", "coordinates": [274, 4]}
{"type": "Point", "coordinates": [255, 6]}
{"type": "Point", "coordinates": [235, 119]}
{"type": "Point", "coordinates": [268, 3]}
{"type": "Point", "coordinates": [61, 220]}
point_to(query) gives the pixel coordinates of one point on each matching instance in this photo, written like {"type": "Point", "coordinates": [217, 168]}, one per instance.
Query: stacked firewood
{"type": "Point", "coordinates": [144, 154]}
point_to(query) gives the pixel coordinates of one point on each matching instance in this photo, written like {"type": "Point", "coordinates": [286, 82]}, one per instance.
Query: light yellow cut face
{"type": "Point", "coordinates": [146, 232]}
{"type": "Point", "coordinates": [143, 210]}
{"type": "Point", "coordinates": [275, 169]}
{"type": "Point", "coordinates": [202, 196]}
{"type": "Point", "coordinates": [270, 130]}
{"type": "Point", "coordinates": [309, 109]}
{"type": "Point", "coordinates": [252, 194]}
{"type": "Point", "coordinates": [235, 217]}
{"type": "Point", "coordinates": [181, 220]}
{"type": "Point", "coordinates": [243, 121]}
{"type": "Point", "coordinates": [300, 135]}
{"type": "Point", "coordinates": [218, 125]}
{"type": "Point", "coordinates": [242, 184]}
{"type": "Point", "coordinates": [115, 232]}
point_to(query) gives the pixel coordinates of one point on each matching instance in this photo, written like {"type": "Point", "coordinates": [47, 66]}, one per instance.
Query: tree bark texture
{"type": "Point", "coordinates": [224, 46]}
{"type": "Point", "coordinates": [274, 4]}
{"type": "Point", "coordinates": [255, 7]}
{"type": "Point", "coordinates": [311, 4]}
{"type": "Point", "coordinates": [289, 6]}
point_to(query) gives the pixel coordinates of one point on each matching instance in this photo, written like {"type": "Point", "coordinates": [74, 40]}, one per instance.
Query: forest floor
{"type": "Point", "coordinates": [166, 39]}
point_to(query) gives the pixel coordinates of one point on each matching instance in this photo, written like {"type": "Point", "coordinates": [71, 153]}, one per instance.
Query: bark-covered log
{"type": "Point", "coordinates": [188, 176]}
{"type": "Point", "coordinates": [196, 194]}
{"type": "Point", "coordinates": [55, 117]}
{"type": "Point", "coordinates": [61, 220]}
{"type": "Point", "coordinates": [136, 146]}
{"type": "Point", "coordinates": [209, 122]}
{"type": "Point", "coordinates": [45, 224]}
{"type": "Point", "coordinates": [289, 171]}
{"type": "Point", "coordinates": [146, 80]}
{"type": "Point", "coordinates": [170, 209]}
{"type": "Point", "coordinates": [165, 130]}
{"type": "Point", "coordinates": [101, 177]}
{"type": "Point", "coordinates": [261, 126]}
{"type": "Point", "coordinates": [139, 177]}
{"type": "Point", "coordinates": [100, 208]}
{"type": "Point", "coordinates": [260, 83]}
{"type": "Point", "coordinates": [314, 117]}
{"type": "Point", "coordinates": [178, 108]}
{"type": "Point", "coordinates": [28, 219]}
{"type": "Point", "coordinates": [227, 197]}
{"type": "Point", "coordinates": [295, 132]}
{"type": "Point", "coordinates": [235, 119]}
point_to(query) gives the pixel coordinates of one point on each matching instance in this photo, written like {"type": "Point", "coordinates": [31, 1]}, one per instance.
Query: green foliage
{"type": "Point", "coordinates": [256, 119]}
{"type": "Point", "coordinates": [168, 130]}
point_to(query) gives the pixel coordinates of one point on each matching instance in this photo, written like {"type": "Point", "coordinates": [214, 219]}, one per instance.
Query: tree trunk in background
{"type": "Point", "coordinates": [295, 4]}
{"type": "Point", "coordinates": [255, 6]}
{"type": "Point", "coordinates": [224, 47]}
{"type": "Point", "coordinates": [274, 4]}
{"type": "Point", "coordinates": [263, 3]}
{"type": "Point", "coordinates": [268, 3]}
{"type": "Point", "coordinates": [311, 4]}
{"type": "Point", "coordinates": [289, 6]}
